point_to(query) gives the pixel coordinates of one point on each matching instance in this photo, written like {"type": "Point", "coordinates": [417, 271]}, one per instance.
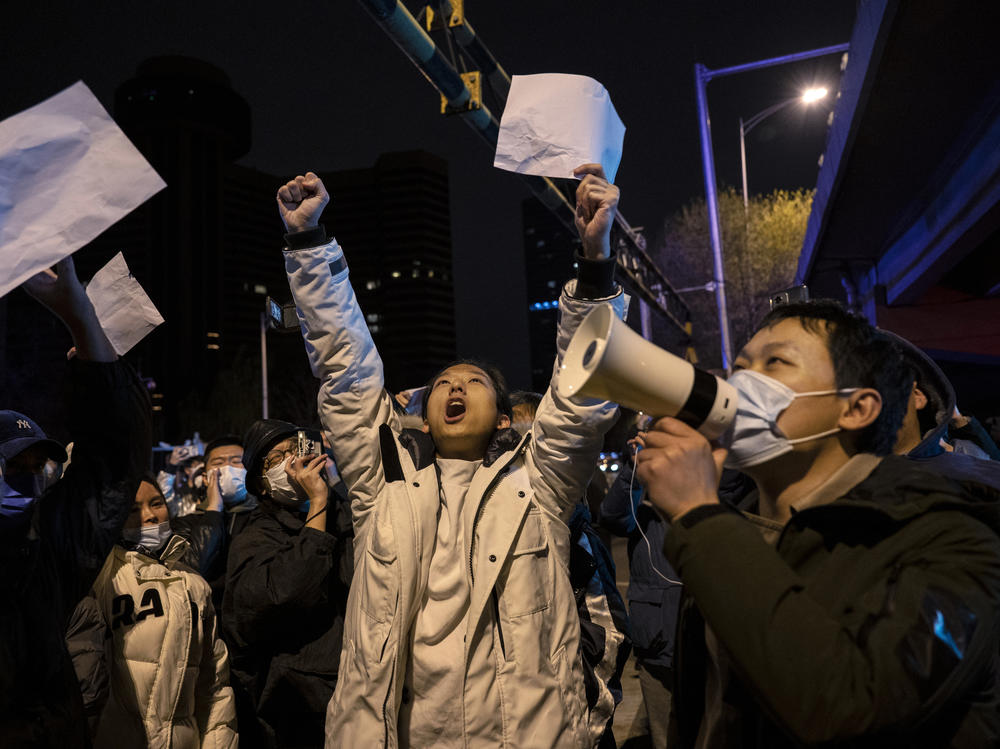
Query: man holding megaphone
{"type": "Point", "coordinates": [860, 603]}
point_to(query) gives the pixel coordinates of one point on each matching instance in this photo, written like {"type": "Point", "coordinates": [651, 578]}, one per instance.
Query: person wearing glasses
{"type": "Point", "coordinates": [287, 578]}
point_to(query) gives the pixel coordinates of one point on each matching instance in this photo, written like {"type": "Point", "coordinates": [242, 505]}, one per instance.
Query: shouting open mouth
{"type": "Point", "coordinates": [454, 412]}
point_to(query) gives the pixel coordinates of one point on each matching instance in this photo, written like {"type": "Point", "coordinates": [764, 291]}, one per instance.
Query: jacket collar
{"type": "Point", "coordinates": [900, 490]}
{"type": "Point", "coordinates": [286, 517]}
{"type": "Point", "coordinates": [172, 552]}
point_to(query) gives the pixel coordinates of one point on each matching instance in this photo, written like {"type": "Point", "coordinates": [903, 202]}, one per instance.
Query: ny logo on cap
{"type": "Point", "coordinates": [22, 424]}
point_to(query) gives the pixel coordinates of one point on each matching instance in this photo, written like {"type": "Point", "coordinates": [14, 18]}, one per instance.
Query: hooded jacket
{"type": "Point", "coordinates": [522, 634]}
{"type": "Point", "coordinates": [168, 670]}
{"type": "Point", "coordinates": [52, 565]}
{"type": "Point", "coordinates": [873, 621]}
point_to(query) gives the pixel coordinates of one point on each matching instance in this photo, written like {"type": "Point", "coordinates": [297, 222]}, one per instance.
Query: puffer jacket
{"type": "Point", "coordinates": [523, 630]}
{"type": "Point", "coordinates": [873, 622]}
{"type": "Point", "coordinates": [50, 568]}
{"type": "Point", "coordinates": [169, 671]}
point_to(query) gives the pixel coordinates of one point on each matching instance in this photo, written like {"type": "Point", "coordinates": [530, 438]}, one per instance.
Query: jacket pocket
{"type": "Point", "coordinates": [379, 580]}
{"type": "Point", "coordinates": [526, 587]}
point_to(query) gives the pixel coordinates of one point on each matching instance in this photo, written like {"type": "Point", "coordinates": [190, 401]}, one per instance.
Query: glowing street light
{"type": "Point", "coordinates": [809, 96]}
{"type": "Point", "coordinates": [702, 76]}
{"type": "Point", "coordinates": [813, 94]}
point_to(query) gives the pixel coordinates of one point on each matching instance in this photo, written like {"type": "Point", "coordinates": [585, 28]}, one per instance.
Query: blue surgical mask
{"type": "Point", "coordinates": [233, 484]}
{"type": "Point", "coordinates": [755, 437]}
{"type": "Point", "coordinates": [25, 485]}
{"type": "Point", "coordinates": [15, 508]}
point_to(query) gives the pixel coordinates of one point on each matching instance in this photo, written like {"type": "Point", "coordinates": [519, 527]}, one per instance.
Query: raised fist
{"type": "Point", "coordinates": [301, 202]}
{"type": "Point", "coordinates": [596, 205]}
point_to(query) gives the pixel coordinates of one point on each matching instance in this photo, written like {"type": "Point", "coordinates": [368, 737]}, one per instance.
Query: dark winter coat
{"type": "Point", "coordinates": [50, 567]}
{"type": "Point", "coordinates": [652, 600]}
{"type": "Point", "coordinates": [211, 536]}
{"type": "Point", "coordinates": [283, 616]}
{"type": "Point", "coordinates": [873, 622]}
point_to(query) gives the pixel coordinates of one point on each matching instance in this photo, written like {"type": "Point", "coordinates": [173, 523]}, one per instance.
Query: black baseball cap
{"type": "Point", "coordinates": [18, 433]}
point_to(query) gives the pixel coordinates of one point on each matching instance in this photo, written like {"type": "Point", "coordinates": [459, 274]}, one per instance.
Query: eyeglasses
{"type": "Point", "coordinates": [275, 458]}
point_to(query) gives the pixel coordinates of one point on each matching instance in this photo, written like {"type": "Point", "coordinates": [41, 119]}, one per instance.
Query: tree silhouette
{"type": "Point", "coordinates": [760, 249]}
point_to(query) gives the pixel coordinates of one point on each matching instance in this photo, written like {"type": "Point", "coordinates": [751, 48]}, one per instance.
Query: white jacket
{"type": "Point", "coordinates": [169, 671]}
{"type": "Point", "coordinates": [522, 639]}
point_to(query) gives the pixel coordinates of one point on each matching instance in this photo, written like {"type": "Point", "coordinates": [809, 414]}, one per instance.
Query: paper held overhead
{"type": "Point", "coordinates": [123, 308]}
{"type": "Point", "coordinates": [67, 173]}
{"type": "Point", "coordinates": [553, 122]}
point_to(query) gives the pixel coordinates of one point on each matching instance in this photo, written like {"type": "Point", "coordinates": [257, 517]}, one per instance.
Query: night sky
{"type": "Point", "coordinates": [328, 90]}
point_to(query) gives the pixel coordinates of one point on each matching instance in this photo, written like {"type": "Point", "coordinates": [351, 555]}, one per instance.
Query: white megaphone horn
{"type": "Point", "coordinates": [607, 360]}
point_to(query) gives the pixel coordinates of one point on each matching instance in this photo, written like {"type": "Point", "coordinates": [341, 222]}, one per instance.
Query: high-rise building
{"type": "Point", "coordinates": [549, 248]}
{"type": "Point", "coordinates": [394, 224]}
{"type": "Point", "coordinates": [206, 249]}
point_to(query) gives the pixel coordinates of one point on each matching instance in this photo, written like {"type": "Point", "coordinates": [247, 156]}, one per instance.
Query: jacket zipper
{"type": "Point", "coordinates": [486, 496]}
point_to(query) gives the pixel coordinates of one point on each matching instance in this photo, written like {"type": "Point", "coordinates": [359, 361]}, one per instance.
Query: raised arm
{"type": "Point", "coordinates": [352, 399]}
{"type": "Point", "coordinates": [83, 513]}
{"type": "Point", "coordinates": [567, 436]}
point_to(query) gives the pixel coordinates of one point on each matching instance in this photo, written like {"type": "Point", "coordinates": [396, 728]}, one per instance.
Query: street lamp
{"type": "Point", "coordinates": [809, 96]}
{"type": "Point", "coordinates": [702, 76]}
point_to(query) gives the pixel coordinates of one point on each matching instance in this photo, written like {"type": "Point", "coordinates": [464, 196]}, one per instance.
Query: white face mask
{"type": "Point", "coordinates": [233, 484]}
{"type": "Point", "coordinates": [756, 437]}
{"type": "Point", "coordinates": [281, 488]}
{"type": "Point", "coordinates": [150, 537]}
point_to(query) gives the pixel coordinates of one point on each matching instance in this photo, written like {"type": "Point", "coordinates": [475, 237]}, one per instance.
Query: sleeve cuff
{"type": "Point", "coordinates": [595, 279]}
{"type": "Point", "coordinates": [298, 240]}
{"type": "Point", "coordinates": [695, 516]}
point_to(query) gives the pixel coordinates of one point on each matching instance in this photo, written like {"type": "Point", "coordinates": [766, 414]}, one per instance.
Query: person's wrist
{"type": "Point", "coordinates": [297, 227]}
{"type": "Point", "coordinates": [686, 507]}
{"type": "Point", "coordinates": [318, 499]}
{"type": "Point", "coordinates": [597, 248]}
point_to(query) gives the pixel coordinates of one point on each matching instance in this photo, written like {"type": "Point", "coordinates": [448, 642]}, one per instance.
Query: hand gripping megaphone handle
{"type": "Point", "coordinates": [607, 360]}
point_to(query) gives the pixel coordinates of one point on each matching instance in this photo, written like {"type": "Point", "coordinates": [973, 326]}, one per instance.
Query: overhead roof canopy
{"type": "Point", "coordinates": [908, 196]}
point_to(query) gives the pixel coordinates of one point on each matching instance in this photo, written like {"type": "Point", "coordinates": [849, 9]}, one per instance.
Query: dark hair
{"type": "Point", "coordinates": [862, 356]}
{"type": "Point", "coordinates": [147, 477]}
{"type": "Point", "coordinates": [495, 375]}
{"type": "Point", "coordinates": [526, 398]}
{"type": "Point", "coordinates": [223, 441]}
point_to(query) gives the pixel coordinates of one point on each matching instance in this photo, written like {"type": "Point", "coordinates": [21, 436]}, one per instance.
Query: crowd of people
{"type": "Point", "coordinates": [433, 570]}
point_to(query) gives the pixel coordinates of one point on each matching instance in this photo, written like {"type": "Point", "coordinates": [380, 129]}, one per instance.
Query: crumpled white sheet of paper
{"type": "Point", "coordinates": [553, 122]}
{"type": "Point", "coordinates": [123, 308]}
{"type": "Point", "coordinates": [67, 173]}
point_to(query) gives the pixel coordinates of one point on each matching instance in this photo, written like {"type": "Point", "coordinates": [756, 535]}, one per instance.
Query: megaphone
{"type": "Point", "coordinates": [608, 360]}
